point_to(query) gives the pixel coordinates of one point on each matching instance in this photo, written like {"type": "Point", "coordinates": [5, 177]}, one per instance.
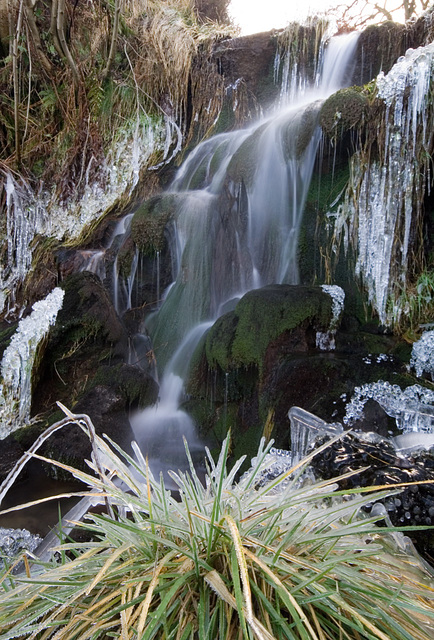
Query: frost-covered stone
{"type": "Point", "coordinates": [14, 541]}
{"type": "Point", "coordinates": [422, 355]}
{"type": "Point", "coordinates": [17, 363]}
{"type": "Point", "coordinates": [413, 408]}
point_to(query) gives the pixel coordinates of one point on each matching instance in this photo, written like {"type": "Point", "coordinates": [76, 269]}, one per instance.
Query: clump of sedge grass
{"type": "Point", "coordinates": [227, 560]}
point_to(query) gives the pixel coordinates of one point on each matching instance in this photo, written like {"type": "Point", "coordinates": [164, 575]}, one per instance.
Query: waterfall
{"type": "Point", "coordinates": [240, 199]}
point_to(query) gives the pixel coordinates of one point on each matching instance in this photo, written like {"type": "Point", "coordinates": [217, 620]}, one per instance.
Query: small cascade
{"type": "Point", "coordinates": [94, 262]}
{"type": "Point", "coordinates": [413, 408]}
{"type": "Point", "coordinates": [18, 359]}
{"type": "Point", "coordinates": [299, 55]}
{"type": "Point", "coordinates": [159, 430]}
{"type": "Point", "coordinates": [383, 204]}
{"type": "Point", "coordinates": [240, 200]}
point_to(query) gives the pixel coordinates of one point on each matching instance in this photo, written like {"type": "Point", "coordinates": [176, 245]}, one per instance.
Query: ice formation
{"type": "Point", "coordinates": [325, 340]}
{"type": "Point", "coordinates": [383, 200]}
{"type": "Point", "coordinates": [30, 214]}
{"type": "Point", "coordinates": [413, 408]}
{"type": "Point", "coordinates": [14, 541]}
{"type": "Point", "coordinates": [422, 355]}
{"type": "Point", "coordinates": [17, 363]}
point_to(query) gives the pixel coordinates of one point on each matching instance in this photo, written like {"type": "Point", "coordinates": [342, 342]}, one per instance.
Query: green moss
{"type": "Point", "coordinates": [241, 338]}
{"type": "Point", "coordinates": [125, 259]}
{"type": "Point", "coordinates": [342, 111]}
{"type": "Point", "coordinates": [218, 345]}
{"type": "Point", "coordinates": [149, 222]}
{"type": "Point", "coordinates": [264, 314]}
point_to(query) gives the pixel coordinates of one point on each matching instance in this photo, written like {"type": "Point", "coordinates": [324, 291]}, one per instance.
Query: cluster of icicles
{"type": "Point", "coordinates": [382, 204]}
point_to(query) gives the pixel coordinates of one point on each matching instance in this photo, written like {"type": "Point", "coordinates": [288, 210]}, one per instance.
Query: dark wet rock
{"type": "Point", "coordinates": [87, 334]}
{"type": "Point", "coordinates": [117, 390]}
{"type": "Point", "coordinates": [10, 451]}
{"type": "Point", "coordinates": [149, 223]}
{"type": "Point", "coordinates": [250, 59]}
{"type": "Point", "coordinates": [375, 463]}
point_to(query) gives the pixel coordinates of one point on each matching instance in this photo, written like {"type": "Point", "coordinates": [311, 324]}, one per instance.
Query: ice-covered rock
{"type": "Point", "coordinates": [422, 355]}
{"type": "Point", "coordinates": [412, 408]}
{"type": "Point", "coordinates": [17, 363]}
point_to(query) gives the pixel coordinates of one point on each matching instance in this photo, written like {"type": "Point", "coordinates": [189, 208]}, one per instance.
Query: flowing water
{"type": "Point", "coordinates": [240, 200]}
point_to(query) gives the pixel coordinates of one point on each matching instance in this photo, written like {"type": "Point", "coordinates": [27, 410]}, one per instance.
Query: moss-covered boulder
{"type": "Point", "coordinates": [342, 111]}
{"type": "Point", "coordinates": [149, 223]}
{"type": "Point", "coordinates": [262, 316]}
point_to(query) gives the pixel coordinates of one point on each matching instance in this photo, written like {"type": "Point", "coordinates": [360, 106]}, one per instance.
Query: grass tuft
{"type": "Point", "coordinates": [224, 560]}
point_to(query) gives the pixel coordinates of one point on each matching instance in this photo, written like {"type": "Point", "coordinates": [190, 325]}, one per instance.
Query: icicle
{"type": "Point", "coordinates": [383, 202]}
{"type": "Point", "coordinates": [30, 214]}
{"type": "Point", "coordinates": [18, 359]}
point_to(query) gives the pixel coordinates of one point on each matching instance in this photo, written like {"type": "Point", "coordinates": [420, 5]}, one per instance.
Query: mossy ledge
{"type": "Point", "coordinates": [241, 337]}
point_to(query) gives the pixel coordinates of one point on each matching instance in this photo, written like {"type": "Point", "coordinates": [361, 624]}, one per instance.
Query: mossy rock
{"type": "Point", "coordinates": [87, 306]}
{"type": "Point", "coordinates": [241, 338]}
{"type": "Point", "coordinates": [149, 222]}
{"type": "Point", "coordinates": [342, 111]}
{"type": "Point", "coordinates": [125, 257]}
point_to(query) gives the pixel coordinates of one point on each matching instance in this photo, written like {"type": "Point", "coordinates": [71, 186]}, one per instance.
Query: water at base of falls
{"type": "Point", "coordinates": [240, 198]}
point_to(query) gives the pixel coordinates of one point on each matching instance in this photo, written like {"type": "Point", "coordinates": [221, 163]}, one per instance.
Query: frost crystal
{"type": "Point", "coordinates": [413, 408]}
{"type": "Point", "coordinates": [18, 359]}
{"type": "Point", "coordinates": [14, 541]}
{"type": "Point", "coordinates": [422, 355]}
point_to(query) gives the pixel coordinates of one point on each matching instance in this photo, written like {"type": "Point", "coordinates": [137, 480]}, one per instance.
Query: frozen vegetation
{"type": "Point", "coordinates": [18, 359]}
{"type": "Point", "coordinates": [383, 200]}
{"type": "Point", "coordinates": [30, 214]}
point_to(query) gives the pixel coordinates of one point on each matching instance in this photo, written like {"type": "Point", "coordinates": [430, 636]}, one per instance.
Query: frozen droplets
{"type": "Point", "coordinates": [412, 408]}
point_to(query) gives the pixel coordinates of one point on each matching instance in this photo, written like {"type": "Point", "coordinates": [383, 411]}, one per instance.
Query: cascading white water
{"type": "Point", "coordinates": [241, 197]}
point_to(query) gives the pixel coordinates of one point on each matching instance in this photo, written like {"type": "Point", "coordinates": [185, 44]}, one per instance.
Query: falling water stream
{"type": "Point", "coordinates": [232, 235]}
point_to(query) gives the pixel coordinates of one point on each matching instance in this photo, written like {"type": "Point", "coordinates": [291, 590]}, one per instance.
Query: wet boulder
{"type": "Point", "coordinates": [373, 461]}
{"type": "Point", "coordinates": [287, 314]}
{"type": "Point", "coordinates": [342, 111]}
